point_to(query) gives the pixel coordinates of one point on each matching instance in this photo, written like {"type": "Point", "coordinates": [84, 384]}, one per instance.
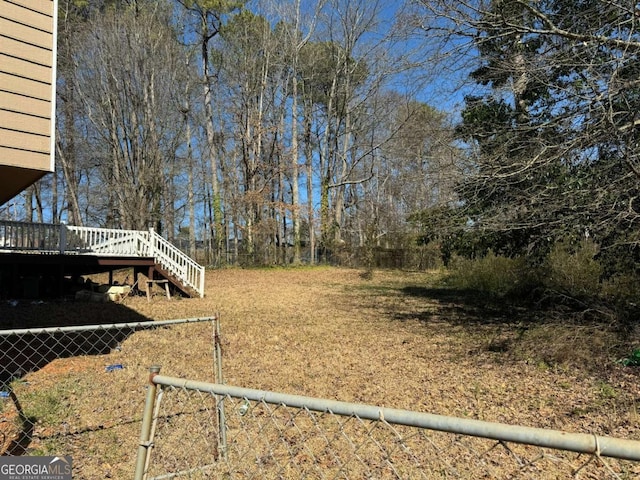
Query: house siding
{"type": "Point", "coordinates": [27, 92]}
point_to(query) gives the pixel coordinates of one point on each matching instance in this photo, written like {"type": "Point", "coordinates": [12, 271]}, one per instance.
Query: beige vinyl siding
{"type": "Point", "coordinates": [25, 141]}
{"type": "Point", "coordinates": [28, 52]}
{"type": "Point", "coordinates": [23, 156]}
{"type": "Point", "coordinates": [23, 104]}
{"type": "Point", "coordinates": [40, 6]}
{"type": "Point", "coordinates": [27, 89]}
{"type": "Point", "coordinates": [24, 68]}
{"type": "Point", "coordinates": [25, 33]}
{"type": "Point", "coordinates": [24, 123]}
{"type": "Point", "coordinates": [36, 14]}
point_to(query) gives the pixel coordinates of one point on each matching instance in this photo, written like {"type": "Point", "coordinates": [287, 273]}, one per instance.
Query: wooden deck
{"type": "Point", "coordinates": [39, 260]}
{"type": "Point", "coordinates": [29, 275]}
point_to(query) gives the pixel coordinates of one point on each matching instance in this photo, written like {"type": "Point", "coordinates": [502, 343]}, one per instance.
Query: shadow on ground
{"type": "Point", "coordinates": [25, 347]}
{"type": "Point", "coordinates": [26, 351]}
{"type": "Point", "coordinates": [495, 330]}
{"type": "Point", "coordinates": [464, 306]}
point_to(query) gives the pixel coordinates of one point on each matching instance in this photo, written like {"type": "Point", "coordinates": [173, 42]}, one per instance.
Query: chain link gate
{"type": "Point", "coordinates": [202, 430]}
{"type": "Point", "coordinates": [270, 435]}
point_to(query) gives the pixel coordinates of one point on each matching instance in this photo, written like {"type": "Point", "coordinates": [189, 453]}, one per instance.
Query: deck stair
{"type": "Point", "coordinates": [170, 262]}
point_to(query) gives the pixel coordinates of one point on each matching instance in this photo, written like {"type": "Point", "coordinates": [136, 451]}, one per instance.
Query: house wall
{"type": "Point", "coordinates": [27, 92]}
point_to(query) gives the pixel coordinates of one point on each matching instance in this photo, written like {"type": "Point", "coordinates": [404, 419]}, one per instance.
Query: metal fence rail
{"type": "Point", "coordinates": [105, 326]}
{"type": "Point", "coordinates": [49, 405]}
{"type": "Point", "coordinates": [25, 350]}
{"type": "Point", "coordinates": [275, 435]}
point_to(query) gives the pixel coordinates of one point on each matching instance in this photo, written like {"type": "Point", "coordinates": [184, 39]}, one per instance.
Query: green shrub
{"type": "Point", "coordinates": [497, 275]}
{"type": "Point", "coordinates": [622, 292]}
{"type": "Point", "coordinates": [574, 270]}
{"type": "Point", "coordinates": [622, 289]}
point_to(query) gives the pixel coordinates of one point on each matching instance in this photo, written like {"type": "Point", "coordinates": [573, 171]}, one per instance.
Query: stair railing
{"type": "Point", "coordinates": [71, 239]}
{"type": "Point", "coordinates": [176, 262]}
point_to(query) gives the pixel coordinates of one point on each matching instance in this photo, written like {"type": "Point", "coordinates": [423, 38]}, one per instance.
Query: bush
{"type": "Point", "coordinates": [571, 276]}
{"type": "Point", "coordinates": [623, 293]}
{"type": "Point", "coordinates": [573, 270]}
{"type": "Point", "coordinates": [497, 275]}
{"type": "Point", "coordinates": [622, 289]}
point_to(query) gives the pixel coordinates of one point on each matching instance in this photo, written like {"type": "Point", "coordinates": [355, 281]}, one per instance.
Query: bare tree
{"type": "Point", "coordinates": [128, 78]}
{"type": "Point", "coordinates": [210, 16]}
{"type": "Point", "coordinates": [296, 31]}
{"type": "Point", "coordinates": [291, 95]}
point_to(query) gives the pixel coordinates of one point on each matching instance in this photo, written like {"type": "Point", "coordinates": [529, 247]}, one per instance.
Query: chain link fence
{"type": "Point", "coordinates": [269, 435]}
{"type": "Point", "coordinates": [63, 387]}
{"type": "Point", "coordinates": [194, 429]}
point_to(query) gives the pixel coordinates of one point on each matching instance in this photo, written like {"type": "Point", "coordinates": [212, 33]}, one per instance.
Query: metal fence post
{"type": "Point", "coordinates": [147, 420]}
{"type": "Point", "coordinates": [222, 425]}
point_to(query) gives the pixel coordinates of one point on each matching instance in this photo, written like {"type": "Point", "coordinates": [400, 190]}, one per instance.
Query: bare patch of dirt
{"type": "Point", "coordinates": [393, 340]}
{"type": "Point", "coordinates": [9, 430]}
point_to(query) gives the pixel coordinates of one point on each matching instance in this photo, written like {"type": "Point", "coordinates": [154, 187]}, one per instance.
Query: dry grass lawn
{"type": "Point", "coordinates": [395, 340]}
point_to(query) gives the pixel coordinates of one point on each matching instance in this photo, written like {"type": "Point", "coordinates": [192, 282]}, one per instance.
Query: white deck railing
{"type": "Point", "coordinates": [71, 240]}
{"type": "Point", "coordinates": [25, 236]}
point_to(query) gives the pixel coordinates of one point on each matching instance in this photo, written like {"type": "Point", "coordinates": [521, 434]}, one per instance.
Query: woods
{"type": "Point", "coordinates": [553, 129]}
{"type": "Point", "coordinates": [270, 133]}
{"type": "Point", "coordinates": [262, 133]}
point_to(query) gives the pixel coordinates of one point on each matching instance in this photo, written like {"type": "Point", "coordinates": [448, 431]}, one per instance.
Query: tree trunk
{"type": "Point", "coordinates": [309, 173]}
{"type": "Point", "coordinates": [217, 227]}
{"type": "Point", "coordinates": [295, 172]}
{"type": "Point", "coordinates": [190, 190]}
